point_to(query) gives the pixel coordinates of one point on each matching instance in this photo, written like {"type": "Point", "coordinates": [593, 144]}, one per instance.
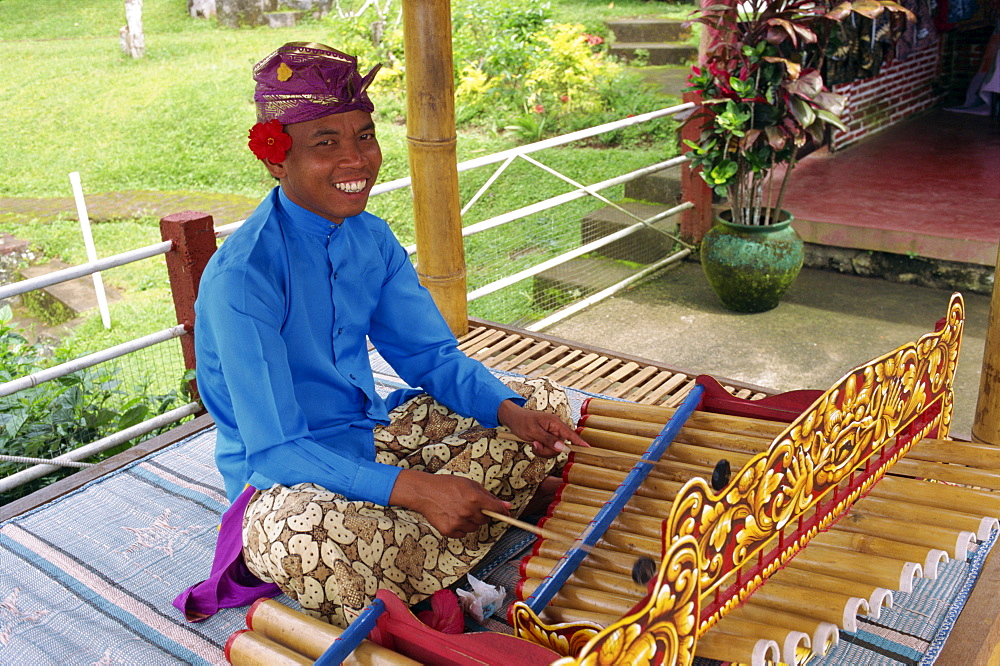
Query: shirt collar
{"type": "Point", "coordinates": [303, 219]}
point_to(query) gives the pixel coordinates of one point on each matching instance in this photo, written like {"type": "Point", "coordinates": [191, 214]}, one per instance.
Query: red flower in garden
{"type": "Point", "coordinates": [593, 40]}
{"type": "Point", "coordinates": [564, 99]}
{"type": "Point", "coordinates": [268, 141]}
{"type": "Point", "coordinates": [539, 108]}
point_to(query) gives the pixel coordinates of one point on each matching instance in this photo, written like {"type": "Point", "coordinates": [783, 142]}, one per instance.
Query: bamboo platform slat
{"type": "Point", "coordinates": [531, 349]}
{"type": "Point", "coordinates": [585, 368]}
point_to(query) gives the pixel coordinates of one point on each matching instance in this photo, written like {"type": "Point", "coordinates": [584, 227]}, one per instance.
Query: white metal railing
{"type": "Point", "coordinates": [572, 254]}
{"type": "Point", "coordinates": [9, 388]}
{"type": "Point", "coordinates": [82, 270]}
{"type": "Point", "coordinates": [504, 158]}
{"type": "Point", "coordinates": [109, 442]}
{"type": "Point", "coordinates": [90, 360]}
{"type": "Point", "coordinates": [553, 202]}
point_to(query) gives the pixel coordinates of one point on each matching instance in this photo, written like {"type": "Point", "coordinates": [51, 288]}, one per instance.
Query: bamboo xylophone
{"type": "Point", "coordinates": [823, 519]}
{"type": "Point", "coordinates": [900, 531]}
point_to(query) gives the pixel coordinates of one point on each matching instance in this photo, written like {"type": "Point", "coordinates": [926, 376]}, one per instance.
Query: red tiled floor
{"type": "Point", "coordinates": [929, 187]}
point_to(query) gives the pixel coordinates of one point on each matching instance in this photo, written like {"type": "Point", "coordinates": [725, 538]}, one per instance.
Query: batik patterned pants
{"type": "Point", "coordinates": [332, 554]}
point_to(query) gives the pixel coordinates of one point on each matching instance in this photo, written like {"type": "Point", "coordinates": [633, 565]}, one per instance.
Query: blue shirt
{"type": "Point", "coordinates": [283, 310]}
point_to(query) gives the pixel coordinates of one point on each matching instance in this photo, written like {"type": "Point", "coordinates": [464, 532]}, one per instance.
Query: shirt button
{"type": "Point", "coordinates": [353, 377]}
{"type": "Point", "coordinates": [335, 276]}
{"type": "Point", "coordinates": [339, 331]}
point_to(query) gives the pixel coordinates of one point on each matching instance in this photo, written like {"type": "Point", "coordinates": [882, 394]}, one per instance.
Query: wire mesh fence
{"type": "Point", "coordinates": [505, 251]}
{"type": "Point", "coordinates": [57, 416]}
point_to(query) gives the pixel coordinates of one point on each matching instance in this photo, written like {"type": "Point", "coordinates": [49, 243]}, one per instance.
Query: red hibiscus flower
{"type": "Point", "coordinates": [445, 614]}
{"type": "Point", "coordinates": [539, 108]}
{"type": "Point", "coordinates": [593, 40]}
{"type": "Point", "coordinates": [268, 141]}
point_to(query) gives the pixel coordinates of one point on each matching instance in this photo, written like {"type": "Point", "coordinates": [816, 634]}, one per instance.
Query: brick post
{"type": "Point", "coordinates": [695, 222]}
{"type": "Point", "coordinates": [193, 238]}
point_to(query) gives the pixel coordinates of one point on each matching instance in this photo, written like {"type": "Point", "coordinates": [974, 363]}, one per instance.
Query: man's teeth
{"type": "Point", "coordinates": [353, 186]}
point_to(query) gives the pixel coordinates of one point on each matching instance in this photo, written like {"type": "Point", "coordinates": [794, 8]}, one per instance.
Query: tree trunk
{"type": "Point", "coordinates": [201, 8]}
{"type": "Point", "coordinates": [132, 40]}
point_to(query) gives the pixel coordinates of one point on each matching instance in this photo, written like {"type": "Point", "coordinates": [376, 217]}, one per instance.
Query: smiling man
{"type": "Point", "coordinates": [336, 490]}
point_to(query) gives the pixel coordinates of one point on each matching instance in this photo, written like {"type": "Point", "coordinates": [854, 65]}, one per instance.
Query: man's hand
{"type": "Point", "coordinates": [452, 504]}
{"type": "Point", "coordinates": [546, 432]}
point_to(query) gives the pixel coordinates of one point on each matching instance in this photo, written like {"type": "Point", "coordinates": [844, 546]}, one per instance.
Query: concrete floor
{"type": "Point", "coordinates": [827, 324]}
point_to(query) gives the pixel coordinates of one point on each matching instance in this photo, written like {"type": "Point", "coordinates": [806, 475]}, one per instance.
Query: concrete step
{"type": "Point", "coordinates": [9, 245]}
{"type": "Point", "coordinates": [671, 79]}
{"type": "Point", "coordinates": [576, 279]}
{"type": "Point", "coordinates": [663, 187]}
{"type": "Point", "coordinates": [659, 53]}
{"type": "Point", "coordinates": [637, 29]}
{"type": "Point", "coordinates": [642, 247]}
{"type": "Point", "coordinates": [282, 19]}
{"type": "Point", "coordinates": [60, 303]}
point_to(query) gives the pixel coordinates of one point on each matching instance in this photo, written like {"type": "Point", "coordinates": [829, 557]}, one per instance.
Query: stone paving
{"type": "Point", "coordinates": [225, 208]}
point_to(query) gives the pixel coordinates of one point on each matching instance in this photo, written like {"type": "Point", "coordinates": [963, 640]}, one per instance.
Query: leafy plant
{"type": "Point", "coordinates": [60, 415]}
{"type": "Point", "coordinates": [530, 126]}
{"type": "Point", "coordinates": [763, 95]}
{"type": "Point", "coordinates": [519, 70]}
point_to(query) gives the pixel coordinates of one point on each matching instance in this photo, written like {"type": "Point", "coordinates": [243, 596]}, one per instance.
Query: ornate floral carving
{"type": "Point", "coordinates": [567, 639]}
{"type": "Point", "coordinates": [860, 427]}
{"type": "Point", "coordinates": [844, 428]}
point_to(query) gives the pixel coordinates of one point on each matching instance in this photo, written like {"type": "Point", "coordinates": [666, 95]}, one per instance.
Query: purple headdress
{"type": "Point", "coordinates": [304, 81]}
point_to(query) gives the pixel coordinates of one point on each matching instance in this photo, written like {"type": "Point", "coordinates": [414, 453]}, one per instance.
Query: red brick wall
{"type": "Point", "coordinates": [900, 90]}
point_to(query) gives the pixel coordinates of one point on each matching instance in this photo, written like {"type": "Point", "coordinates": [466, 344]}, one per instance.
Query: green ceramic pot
{"type": "Point", "coordinates": [751, 267]}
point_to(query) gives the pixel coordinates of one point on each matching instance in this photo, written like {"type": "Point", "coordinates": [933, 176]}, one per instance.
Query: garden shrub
{"type": "Point", "coordinates": [63, 414]}
{"type": "Point", "coordinates": [518, 70]}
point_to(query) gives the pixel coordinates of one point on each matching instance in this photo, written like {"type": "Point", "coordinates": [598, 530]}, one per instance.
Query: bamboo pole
{"type": "Point", "coordinates": [887, 572]}
{"type": "Point", "coordinates": [969, 476]}
{"type": "Point", "coordinates": [583, 598]}
{"type": "Point", "coordinates": [430, 123]}
{"type": "Point", "coordinates": [859, 542]}
{"type": "Point", "coordinates": [248, 648]}
{"type": "Point", "coordinates": [306, 636]}
{"type": "Point", "coordinates": [736, 425]}
{"type": "Point", "coordinates": [735, 648]}
{"type": "Point", "coordinates": [941, 495]}
{"type": "Point", "coordinates": [791, 642]}
{"type": "Point", "coordinates": [986, 425]}
{"type": "Point", "coordinates": [952, 540]}
{"type": "Point", "coordinates": [833, 607]}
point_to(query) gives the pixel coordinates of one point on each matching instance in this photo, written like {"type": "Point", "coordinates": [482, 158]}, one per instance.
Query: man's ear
{"type": "Point", "coordinates": [276, 170]}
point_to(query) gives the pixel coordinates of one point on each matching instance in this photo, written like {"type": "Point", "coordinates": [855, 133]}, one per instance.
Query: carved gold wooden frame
{"type": "Point", "coordinates": [818, 467]}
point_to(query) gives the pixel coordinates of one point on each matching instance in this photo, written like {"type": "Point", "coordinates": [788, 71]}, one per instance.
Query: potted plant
{"type": "Point", "coordinates": [763, 99]}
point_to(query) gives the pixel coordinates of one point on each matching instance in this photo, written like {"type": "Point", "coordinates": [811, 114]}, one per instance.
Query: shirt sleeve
{"type": "Point", "coordinates": [408, 330]}
{"type": "Point", "coordinates": [244, 322]}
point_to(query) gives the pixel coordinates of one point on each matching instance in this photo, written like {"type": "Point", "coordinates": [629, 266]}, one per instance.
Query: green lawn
{"type": "Point", "coordinates": [178, 119]}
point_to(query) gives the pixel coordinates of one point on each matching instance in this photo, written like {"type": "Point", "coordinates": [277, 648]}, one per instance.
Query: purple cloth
{"type": "Point", "coordinates": [231, 584]}
{"type": "Point", "coordinates": [304, 81]}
